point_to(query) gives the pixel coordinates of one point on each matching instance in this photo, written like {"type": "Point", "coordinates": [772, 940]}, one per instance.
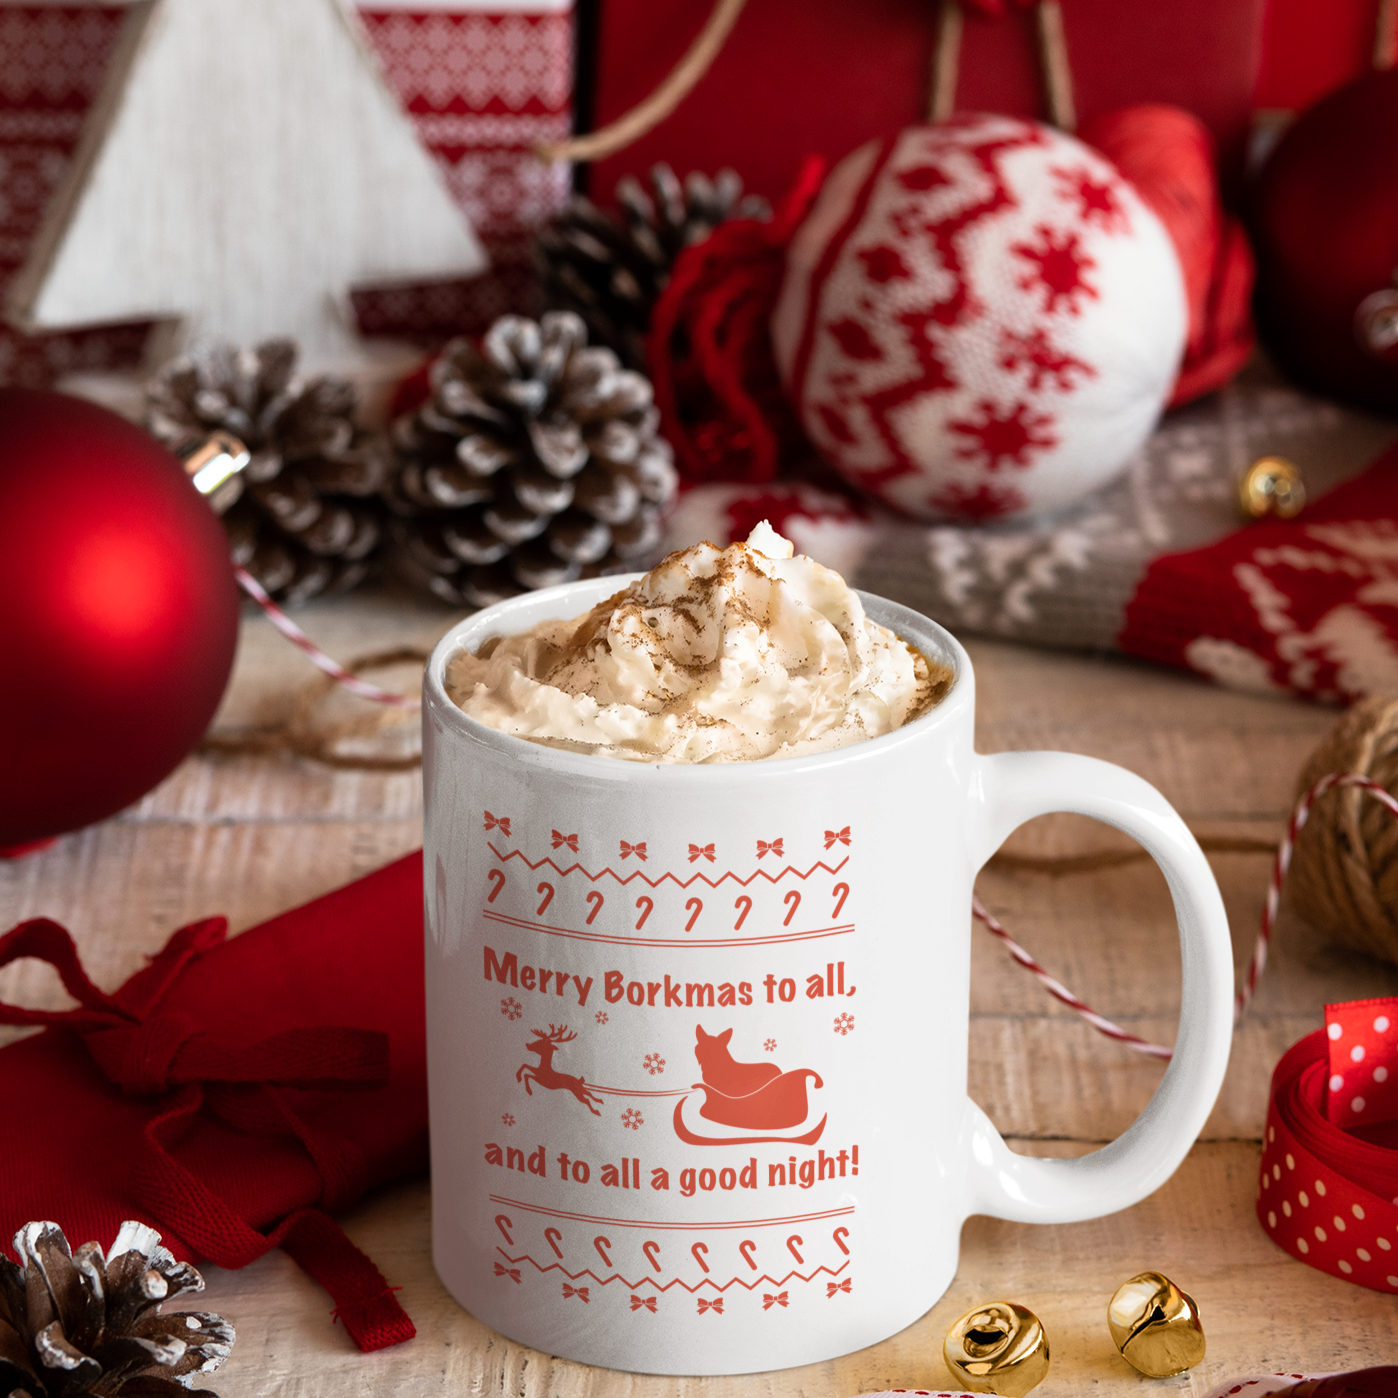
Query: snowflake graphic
{"type": "Point", "coordinates": [632, 1119]}
{"type": "Point", "coordinates": [1010, 435]}
{"type": "Point", "coordinates": [986, 501]}
{"type": "Point", "coordinates": [508, 1119]}
{"type": "Point", "coordinates": [601, 1016]}
{"type": "Point", "coordinates": [511, 1008]}
{"type": "Point", "coordinates": [1060, 269]}
{"type": "Point", "coordinates": [1097, 200]}
{"type": "Point", "coordinates": [844, 1023]}
{"type": "Point", "coordinates": [769, 1044]}
{"type": "Point", "coordinates": [654, 1064]}
{"type": "Point", "coordinates": [1043, 360]}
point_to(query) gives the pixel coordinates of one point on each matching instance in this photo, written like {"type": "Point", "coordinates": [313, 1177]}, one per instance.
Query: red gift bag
{"type": "Point", "coordinates": [231, 1094]}
{"type": "Point", "coordinates": [796, 77]}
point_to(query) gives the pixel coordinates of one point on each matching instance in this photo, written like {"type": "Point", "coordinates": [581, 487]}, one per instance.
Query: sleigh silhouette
{"type": "Point", "coordinates": [776, 1106]}
{"type": "Point", "coordinates": [739, 1098]}
{"type": "Point", "coordinates": [778, 1111]}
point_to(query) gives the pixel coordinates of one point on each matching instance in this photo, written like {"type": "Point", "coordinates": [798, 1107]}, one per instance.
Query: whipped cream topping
{"type": "Point", "coordinates": [715, 655]}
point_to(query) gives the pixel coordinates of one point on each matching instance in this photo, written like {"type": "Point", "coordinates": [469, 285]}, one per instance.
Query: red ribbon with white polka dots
{"type": "Point", "coordinates": [1328, 1192]}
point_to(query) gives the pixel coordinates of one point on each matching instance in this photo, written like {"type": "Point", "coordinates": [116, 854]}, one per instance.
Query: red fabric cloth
{"type": "Point", "coordinates": [1327, 1196]}
{"type": "Point", "coordinates": [1305, 604]}
{"type": "Point", "coordinates": [232, 1093]}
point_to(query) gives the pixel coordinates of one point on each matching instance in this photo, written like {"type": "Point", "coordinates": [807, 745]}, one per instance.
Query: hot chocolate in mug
{"type": "Point", "coordinates": [697, 1035]}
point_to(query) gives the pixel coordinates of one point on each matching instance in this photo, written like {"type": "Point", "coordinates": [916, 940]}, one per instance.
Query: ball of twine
{"type": "Point", "coordinates": [1344, 874]}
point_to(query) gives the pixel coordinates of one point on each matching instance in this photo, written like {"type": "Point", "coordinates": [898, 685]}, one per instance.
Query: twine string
{"type": "Point", "coordinates": [651, 111]}
{"type": "Point", "coordinates": [1386, 35]}
{"type": "Point", "coordinates": [1053, 63]}
{"type": "Point", "coordinates": [946, 61]}
{"type": "Point", "coordinates": [1256, 965]}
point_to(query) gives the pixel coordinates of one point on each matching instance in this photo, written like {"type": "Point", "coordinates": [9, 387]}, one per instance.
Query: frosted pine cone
{"type": "Point", "coordinates": [299, 517]}
{"type": "Point", "coordinates": [534, 462]}
{"type": "Point", "coordinates": [612, 270]}
{"type": "Point", "coordinates": [74, 1323]}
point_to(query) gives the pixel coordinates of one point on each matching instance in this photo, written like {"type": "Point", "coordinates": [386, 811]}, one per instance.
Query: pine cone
{"type": "Point", "coordinates": [612, 270]}
{"type": "Point", "coordinates": [76, 1323]}
{"type": "Point", "coordinates": [534, 462]}
{"type": "Point", "coordinates": [298, 516]}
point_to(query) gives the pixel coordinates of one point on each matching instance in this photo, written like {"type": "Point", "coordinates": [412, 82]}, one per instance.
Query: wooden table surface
{"type": "Point", "coordinates": [249, 835]}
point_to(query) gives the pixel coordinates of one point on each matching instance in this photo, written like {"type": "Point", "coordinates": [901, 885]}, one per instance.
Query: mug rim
{"type": "Point", "coordinates": [540, 603]}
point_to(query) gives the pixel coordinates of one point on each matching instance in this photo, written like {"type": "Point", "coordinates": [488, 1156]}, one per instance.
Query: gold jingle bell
{"type": "Point", "coordinates": [1156, 1326]}
{"type": "Point", "coordinates": [998, 1348]}
{"type": "Point", "coordinates": [1272, 485]}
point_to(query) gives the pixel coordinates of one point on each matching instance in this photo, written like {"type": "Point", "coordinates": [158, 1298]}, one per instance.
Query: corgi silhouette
{"type": "Point", "coordinates": [751, 1096]}
{"type": "Point", "coordinates": [719, 1071]}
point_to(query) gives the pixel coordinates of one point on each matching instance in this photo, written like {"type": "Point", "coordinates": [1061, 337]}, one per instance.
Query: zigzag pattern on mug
{"type": "Point", "coordinates": [650, 1281]}
{"type": "Point", "coordinates": [645, 878]}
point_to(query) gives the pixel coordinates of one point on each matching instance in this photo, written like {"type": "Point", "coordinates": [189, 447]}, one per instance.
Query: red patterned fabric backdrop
{"type": "Point", "coordinates": [483, 83]}
{"type": "Point", "coordinates": [51, 63]}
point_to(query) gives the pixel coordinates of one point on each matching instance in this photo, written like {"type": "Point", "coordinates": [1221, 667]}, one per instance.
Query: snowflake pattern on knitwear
{"type": "Point", "coordinates": [980, 318]}
{"type": "Point", "coordinates": [1305, 605]}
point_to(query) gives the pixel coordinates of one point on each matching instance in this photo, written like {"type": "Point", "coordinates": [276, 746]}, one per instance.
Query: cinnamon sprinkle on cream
{"type": "Point", "coordinates": [715, 655]}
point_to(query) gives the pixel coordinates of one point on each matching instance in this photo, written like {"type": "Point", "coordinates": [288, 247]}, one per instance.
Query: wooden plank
{"type": "Point", "coordinates": [1259, 1308]}
{"type": "Point", "coordinates": [1215, 753]}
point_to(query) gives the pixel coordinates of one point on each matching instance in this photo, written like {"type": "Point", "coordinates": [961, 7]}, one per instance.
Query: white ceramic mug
{"type": "Point", "coordinates": [697, 1035]}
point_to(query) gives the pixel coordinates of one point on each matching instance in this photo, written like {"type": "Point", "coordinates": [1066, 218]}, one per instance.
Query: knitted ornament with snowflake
{"type": "Point", "coordinates": [979, 318]}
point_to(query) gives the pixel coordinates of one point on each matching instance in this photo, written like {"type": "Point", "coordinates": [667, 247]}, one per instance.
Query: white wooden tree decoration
{"type": "Point", "coordinates": [243, 167]}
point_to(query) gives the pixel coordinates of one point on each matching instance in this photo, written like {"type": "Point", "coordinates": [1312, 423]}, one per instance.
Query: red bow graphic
{"type": "Point", "coordinates": [768, 1300]}
{"type": "Point", "coordinates": [832, 1287]}
{"type": "Point", "coordinates": [502, 821]}
{"type": "Point", "coordinates": [570, 840]}
{"type": "Point", "coordinates": [715, 1305]}
{"type": "Point", "coordinates": [643, 1303]}
{"type": "Point", "coordinates": [695, 851]}
{"type": "Point", "coordinates": [580, 1292]}
{"type": "Point", "coordinates": [774, 848]}
{"type": "Point", "coordinates": [638, 850]}
{"type": "Point", "coordinates": [841, 835]}
{"type": "Point", "coordinates": [502, 1271]}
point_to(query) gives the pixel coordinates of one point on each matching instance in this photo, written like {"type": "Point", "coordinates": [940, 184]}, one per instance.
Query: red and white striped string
{"type": "Point", "coordinates": [318, 657]}
{"type": "Point", "coordinates": [1059, 991]}
{"type": "Point", "coordinates": [1055, 987]}
{"type": "Point", "coordinates": [1264, 935]}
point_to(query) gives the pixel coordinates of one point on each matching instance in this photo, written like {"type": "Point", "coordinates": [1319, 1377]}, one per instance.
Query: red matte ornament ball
{"type": "Point", "coordinates": [1326, 235]}
{"type": "Point", "coordinates": [118, 614]}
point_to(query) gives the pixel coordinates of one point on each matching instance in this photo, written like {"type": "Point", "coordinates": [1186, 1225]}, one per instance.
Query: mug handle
{"type": "Point", "coordinates": [1007, 789]}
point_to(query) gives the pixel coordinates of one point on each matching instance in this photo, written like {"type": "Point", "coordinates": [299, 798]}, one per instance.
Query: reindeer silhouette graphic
{"type": "Point", "coordinates": [546, 1075]}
